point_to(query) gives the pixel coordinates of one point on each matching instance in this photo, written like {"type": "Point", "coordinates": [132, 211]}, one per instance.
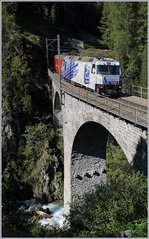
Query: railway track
{"type": "Point", "coordinates": [134, 101]}
{"type": "Point", "coordinates": [130, 108]}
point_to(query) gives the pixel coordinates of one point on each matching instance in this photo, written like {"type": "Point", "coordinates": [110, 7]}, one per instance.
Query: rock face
{"type": "Point", "coordinates": [10, 133]}
{"type": "Point", "coordinates": [47, 189]}
{"type": "Point", "coordinates": [45, 181]}
{"type": "Point", "coordinates": [41, 188]}
{"type": "Point", "coordinates": [49, 186]}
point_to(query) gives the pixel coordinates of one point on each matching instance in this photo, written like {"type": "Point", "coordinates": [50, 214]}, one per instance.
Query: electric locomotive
{"type": "Point", "coordinates": [101, 75]}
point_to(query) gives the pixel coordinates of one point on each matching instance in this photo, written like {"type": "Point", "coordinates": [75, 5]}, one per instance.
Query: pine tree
{"type": "Point", "coordinates": [124, 27]}
{"type": "Point", "coordinates": [144, 67]}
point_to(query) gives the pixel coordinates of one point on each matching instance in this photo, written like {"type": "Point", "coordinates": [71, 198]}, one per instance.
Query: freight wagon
{"type": "Point", "coordinates": [101, 75]}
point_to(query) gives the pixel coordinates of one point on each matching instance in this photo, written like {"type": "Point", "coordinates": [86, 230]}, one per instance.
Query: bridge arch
{"type": "Point", "coordinates": [57, 111]}
{"type": "Point", "coordinates": [57, 102]}
{"type": "Point", "coordinates": [88, 158]}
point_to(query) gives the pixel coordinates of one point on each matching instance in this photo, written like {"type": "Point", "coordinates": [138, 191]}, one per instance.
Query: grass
{"type": "Point", "coordinates": [98, 52]}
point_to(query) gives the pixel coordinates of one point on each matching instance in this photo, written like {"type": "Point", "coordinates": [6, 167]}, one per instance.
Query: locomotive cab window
{"type": "Point", "coordinates": [108, 69]}
{"type": "Point", "coordinates": [93, 69]}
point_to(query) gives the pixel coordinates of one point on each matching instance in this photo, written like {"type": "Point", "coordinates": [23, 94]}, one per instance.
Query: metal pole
{"type": "Point", "coordinates": [131, 89]}
{"type": "Point", "coordinates": [141, 92]}
{"type": "Point", "coordinates": [136, 116]}
{"type": "Point", "coordinates": [47, 53]}
{"type": "Point", "coordinates": [59, 65]}
{"type": "Point", "coordinates": [52, 51]}
{"type": "Point", "coordinates": [119, 109]}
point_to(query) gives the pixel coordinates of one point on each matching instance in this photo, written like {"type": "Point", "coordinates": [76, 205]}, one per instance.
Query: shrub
{"type": "Point", "coordinates": [112, 208]}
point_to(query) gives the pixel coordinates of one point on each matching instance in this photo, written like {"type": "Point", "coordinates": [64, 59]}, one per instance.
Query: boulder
{"type": "Point", "coordinates": [42, 214]}
{"type": "Point", "coordinates": [126, 233]}
{"type": "Point", "coordinates": [33, 209]}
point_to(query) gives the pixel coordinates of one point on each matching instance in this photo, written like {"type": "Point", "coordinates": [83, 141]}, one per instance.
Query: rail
{"type": "Point", "coordinates": [130, 113]}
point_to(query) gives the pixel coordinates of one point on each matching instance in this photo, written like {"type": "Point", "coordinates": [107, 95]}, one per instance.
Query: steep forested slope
{"type": "Point", "coordinates": [31, 148]}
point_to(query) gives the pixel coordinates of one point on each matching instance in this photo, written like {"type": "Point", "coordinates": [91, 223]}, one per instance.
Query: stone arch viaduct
{"type": "Point", "coordinates": [85, 130]}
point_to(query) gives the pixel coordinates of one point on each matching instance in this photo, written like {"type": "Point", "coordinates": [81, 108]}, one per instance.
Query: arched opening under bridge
{"type": "Point", "coordinates": [88, 161]}
{"type": "Point", "coordinates": [57, 112]}
{"type": "Point", "coordinates": [57, 103]}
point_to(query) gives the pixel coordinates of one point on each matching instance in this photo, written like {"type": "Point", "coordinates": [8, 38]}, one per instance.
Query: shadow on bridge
{"type": "Point", "coordinates": [91, 140]}
{"type": "Point", "coordinates": [140, 158]}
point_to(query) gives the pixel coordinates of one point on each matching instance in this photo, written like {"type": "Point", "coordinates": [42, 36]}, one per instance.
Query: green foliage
{"type": "Point", "coordinates": [8, 185]}
{"type": "Point", "coordinates": [33, 146]}
{"type": "Point", "coordinates": [35, 40]}
{"type": "Point", "coordinates": [111, 208]}
{"type": "Point", "coordinates": [21, 102]}
{"type": "Point", "coordinates": [8, 17]}
{"type": "Point", "coordinates": [119, 205]}
{"type": "Point", "coordinates": [98, 52]}
{"type": "Point", "coordinates": [117, 163]}
{"type": "Point", "coordinates": [144, 67]}
{"type": "Point", "coordinates": [42, 147]}
{"type": "Point", "coordinates": [139, 227]}
{"type": "Point", "coordinates": [53, 14]}
{"type": "Point", "coordinates": [18, 67]}
{"type": "Point", "coordinates": [16, 70]}
{"type": "Point", "coordinates": [38, 231]}
{"type": "Point", "coordinates": [124, 30]}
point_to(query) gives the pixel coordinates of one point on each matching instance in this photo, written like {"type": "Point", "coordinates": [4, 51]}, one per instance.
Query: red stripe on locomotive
{"type": "Point", "coordinates": [56, 63]}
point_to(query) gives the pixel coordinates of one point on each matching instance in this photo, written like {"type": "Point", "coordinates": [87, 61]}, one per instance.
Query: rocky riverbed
{"type": "Point", "coordinates": [50, 215]}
